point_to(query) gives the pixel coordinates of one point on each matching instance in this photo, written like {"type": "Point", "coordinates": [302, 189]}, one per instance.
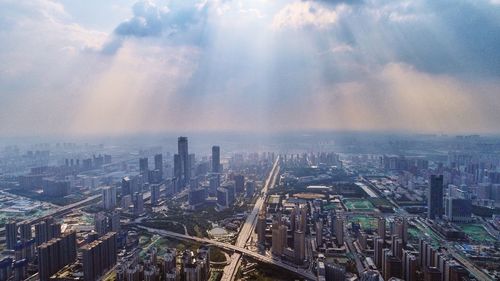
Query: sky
{"type": "Point", "coordinates": [111, 67]}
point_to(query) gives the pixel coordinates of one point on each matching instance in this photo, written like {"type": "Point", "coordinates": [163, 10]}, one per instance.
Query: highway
{"type": "Point", "coordinates": [473, 269]}
{"type": "Point", "coordinates": [229, 247]}
{"type": "Point", "coordinates": [249, 225]}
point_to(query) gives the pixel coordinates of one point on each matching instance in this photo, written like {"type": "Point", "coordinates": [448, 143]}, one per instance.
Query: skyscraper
{"type": "Point", "coordinates": [99, 256]}
{"type": "Point", "coordinates": [334, 272]}
{"type": "Point", "coordinates": [319, 233]}
{"type": "Point", "coordinates": [216, 159]}
{"type": "Point", "coordinates": [155, 194]}
{"type": "Point", "coordinates": [239, 183]}
{"type": "Point", "coordinates": [182, 163]}
{"type": "Point", "coordinates": [278, 236]}
{"type": "Point", "coordinates": [261, 229]}
{"type": "Point", "coordinates": [378, 245]}
{"type": "Point", "coordinates": [25, 232]}
{"type": "Point", "coordinates": [55, 254]}
{"type": "Point", "coordinates": [410, 263]}
{"type": "Point", "coordinates": [143, 165]}
{"type": "Point", "coordinates": [299, 246]}
{"type": "Point", "coordinates": [159, 164]}
{"type": "Point", "coordinates": [339, 231]}
{"type": "Point", "coordinates": [11, 235]}
{"type": "Point", "coordinates": [381, 227]}
{"type": "Point", "coordinates": [109, 197]}
{"type": "Point", "coordinates": [435, 197]}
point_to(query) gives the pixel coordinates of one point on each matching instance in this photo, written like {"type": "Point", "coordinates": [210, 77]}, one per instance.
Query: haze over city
{"type": "Point", "coordinates": [258, 140]}
{"type": "Point", "coordinates": [121, 67]}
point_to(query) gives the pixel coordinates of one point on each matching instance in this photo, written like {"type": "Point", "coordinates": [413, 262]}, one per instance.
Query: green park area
{"type": "Point", "coordinates": [476, 232]}
{"type": "Point", "coordinates": [358, 205]}
{"type": "Point", "coordinates": [366, 222]}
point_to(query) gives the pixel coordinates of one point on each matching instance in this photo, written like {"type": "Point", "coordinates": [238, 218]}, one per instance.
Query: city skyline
{"type": "Point", "coordinates": [121, 67]}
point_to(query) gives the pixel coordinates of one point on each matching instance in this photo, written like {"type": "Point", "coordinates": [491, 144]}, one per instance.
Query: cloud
{"type": "Point", "coordinates": [150, 19]}
{"type": "Point", "coordinates": [306, 14]}
{"type": "Point", "coordinates": [250, 65]}
{"type": "Point", "coordinates": [147, 20]}
{"type": "Point", "coordinates": [342, 48]}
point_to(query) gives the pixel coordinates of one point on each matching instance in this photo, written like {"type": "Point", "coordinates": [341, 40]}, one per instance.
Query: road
{"type": "Point", "coordinates": [249, 225]}
{"type": "Point", "coordinates": [229, 247]}
{"type": "Point", "coordinates": [472, 268]}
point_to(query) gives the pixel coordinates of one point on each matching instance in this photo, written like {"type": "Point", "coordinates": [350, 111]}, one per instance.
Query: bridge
{"type": "Point", "coordinates": [229, 247]}
{"type": "Point", "coordinates": [249, 225]}
{"type": "Point", "coordinates": [60, 211]}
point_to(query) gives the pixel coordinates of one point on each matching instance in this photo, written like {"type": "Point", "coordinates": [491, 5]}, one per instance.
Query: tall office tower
{"type": "Point", "coordinates": [370, 275]}
{"type": "Point", "coordinates": [410, 264]}
{"type": "Point", "coordinates": [381, 227]}
{"type": "Point", "coordinates": [458, 209]}
{"type": "Point", "coordinates": [299, 246]}
{"type": "Point", "coordinates": [250, 188]}
{"type": "Point", "coordinates": [109, 197]}
{"type": "Point", "coordinates": [339, 231]}
{"type": "Point", "coordinates": [435, 208]}
{"type": "Point", "coordinates": [216, 159]}
{"type": "Point", "coordinates": [56, 254]}
{"type": "Point", "coordinates": [192, 164]}
{"type": "Point", "coordinates": [178, 168]}
{"type": "Point", "coordinates": [223, 200]}
{"type": "Point", "coordinates": [41, 233]}
{"type": "Point", "coordinates": [100, 224]}
{"type": "Point", "coordinates": [114, 222]}
{"type": "Point", "coordinates": [334, 272]}
{"type": "Point", "coordinates": [261, 229]}
{"type": "Point", "coordinates": [185, 165]}
{"type": "Point", "coordinates": [159, 164]}
{"type": "Point", "coordinates": [378, 245]}
{"type": "Point", "coordinates": [319, 233]}
{"type": "Point", "coordinates": [143, 165]}
{"type": "Point", "coordinates": [130, 185]}
{"type": "Point", "coordinates": [239, 183]}
{"type": "Point", "coordinates": [11, 235]}
{"type": "Point", "coordinates": [214, 183]}
{"type": "Point", "coordinates": [99, 256]}
{"type": "Point", "coordinates": [155, 194]}
{"type": "Point", "coordinates": [138, 203]}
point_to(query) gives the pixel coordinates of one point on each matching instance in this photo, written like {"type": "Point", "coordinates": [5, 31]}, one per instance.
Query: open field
{"type": "Point", "coordinates": [366, 222]}
{"type": "Point", "coordinates": [358, 205]}
{"type": "Point", "coordinates": [476, 232]}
